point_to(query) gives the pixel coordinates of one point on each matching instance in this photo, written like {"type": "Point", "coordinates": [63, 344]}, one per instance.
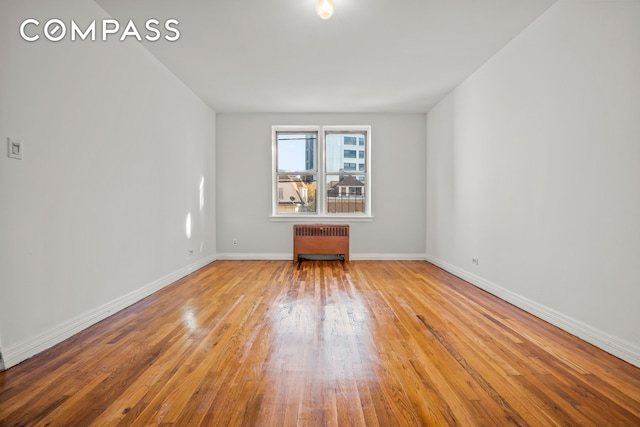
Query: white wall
{"type": "Point", "coordinates": [533, 167]}
{"type": "Point", "coordinates": [115, 148]}
{"type": "Point", "coordinates": [244, 186]}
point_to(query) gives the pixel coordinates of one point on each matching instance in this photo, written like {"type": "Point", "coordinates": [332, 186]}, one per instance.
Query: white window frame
{"type": "Point", "coordinates": [321, 195]}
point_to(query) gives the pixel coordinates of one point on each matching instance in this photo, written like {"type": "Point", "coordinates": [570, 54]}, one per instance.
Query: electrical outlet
{"type": "Point", "coordinates": [15, 148]}
{"type": "Point", "coordinates": [235, 242]}
{"type": "Point", "coordinates": [475, 261]}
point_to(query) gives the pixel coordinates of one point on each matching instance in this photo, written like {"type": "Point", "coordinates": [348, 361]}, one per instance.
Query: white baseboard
{"type": "Point", "coordinates": [289, 257]}
{"type": "Point", "coordinates": [17, 353]}
{"type": "Point", "coordinates": [255, 256]}
{"type": "Point", "coordinates": [611, 344]}
{"type": "Point", "coordinates": [387, 257]}
{"type": "Point", "coordinates": [22, 351]}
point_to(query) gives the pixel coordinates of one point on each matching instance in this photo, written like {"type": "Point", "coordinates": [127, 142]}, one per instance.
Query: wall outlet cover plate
{"type": "Point", "coordinates": [15, 148]}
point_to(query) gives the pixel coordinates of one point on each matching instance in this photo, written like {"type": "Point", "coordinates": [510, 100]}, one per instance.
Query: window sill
{"type": "Point", "coordinates": [319, 218]}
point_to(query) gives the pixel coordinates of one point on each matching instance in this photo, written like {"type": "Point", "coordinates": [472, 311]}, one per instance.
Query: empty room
{"type": "Point", "coordinates": [320, 212]}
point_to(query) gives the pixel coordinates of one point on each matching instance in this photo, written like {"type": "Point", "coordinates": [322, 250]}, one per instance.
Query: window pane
{"type": "Point", "coordinates": [346, 194]}
{"type": "Point", "coordinates": [339, 146]}
{"type": "Point", "coordinates": [297, 193]}
{"type": "Point", "coordinates": [296, 151]}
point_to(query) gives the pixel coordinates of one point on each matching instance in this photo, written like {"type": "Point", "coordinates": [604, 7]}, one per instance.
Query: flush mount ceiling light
{"type": "Point", "coordinates": [324, 8]}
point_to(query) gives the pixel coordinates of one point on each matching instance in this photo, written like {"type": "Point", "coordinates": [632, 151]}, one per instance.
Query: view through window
{"type": "Point", "coordinates": [321, 171]}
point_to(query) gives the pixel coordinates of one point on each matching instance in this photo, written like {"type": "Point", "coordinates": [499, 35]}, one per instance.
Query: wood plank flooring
{"type": "Point", "coordinates": [274, 343]}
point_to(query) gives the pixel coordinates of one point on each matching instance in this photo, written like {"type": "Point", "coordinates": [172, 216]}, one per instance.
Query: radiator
{"type": "Point", "coordinates": [320, 239]}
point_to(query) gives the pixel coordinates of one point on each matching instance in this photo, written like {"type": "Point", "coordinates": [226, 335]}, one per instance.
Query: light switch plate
{"type": "Point", "coordinates": [15, 148]}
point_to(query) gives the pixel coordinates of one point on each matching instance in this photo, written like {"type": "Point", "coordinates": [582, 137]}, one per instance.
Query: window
{"type": "Point", "coordinates": [311, 176]}
{"type": "Point", "coordinates": [296, 172]}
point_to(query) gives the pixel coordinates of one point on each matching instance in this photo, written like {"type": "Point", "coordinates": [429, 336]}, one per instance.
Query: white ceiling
{"type": "Point", "coordinates": [372, 56]}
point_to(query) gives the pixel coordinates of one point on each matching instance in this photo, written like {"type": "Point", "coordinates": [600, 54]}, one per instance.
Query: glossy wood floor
{"type": "Point", "coordinates": [274, 343]}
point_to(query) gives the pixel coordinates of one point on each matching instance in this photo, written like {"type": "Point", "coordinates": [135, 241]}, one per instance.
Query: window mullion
{"type": "Point", "coordinates": [322, 193]}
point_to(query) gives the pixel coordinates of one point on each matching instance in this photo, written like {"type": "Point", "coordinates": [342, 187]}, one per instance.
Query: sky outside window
{"type": "Point", "coordinates": [296, 152]}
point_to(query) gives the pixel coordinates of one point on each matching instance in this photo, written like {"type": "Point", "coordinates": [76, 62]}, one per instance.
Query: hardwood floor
{"type": "Point", "coordinates": [275, 343]}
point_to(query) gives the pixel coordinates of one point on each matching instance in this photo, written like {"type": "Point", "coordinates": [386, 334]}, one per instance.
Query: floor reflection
{"type": "Point", "coordinates": [322, 347]}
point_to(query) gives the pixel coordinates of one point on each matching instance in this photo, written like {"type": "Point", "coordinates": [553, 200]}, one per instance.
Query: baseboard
{"type": "Point", "coordinates": [387, 257]}
{"type": "Point", "coordinates": [288, 256]}
{"type": "Point", "coordinates": [15, 354]}
{"type": "Point", "coordinates": [256, 256]}
{"type": "Point", "coordinates": [611, 344]}
{"type": "Point", "coordinates": [32, 346]}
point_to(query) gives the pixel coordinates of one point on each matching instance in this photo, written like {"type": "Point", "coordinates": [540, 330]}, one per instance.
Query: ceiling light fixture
{"type": "Point", "coordinates": [324, 8]}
